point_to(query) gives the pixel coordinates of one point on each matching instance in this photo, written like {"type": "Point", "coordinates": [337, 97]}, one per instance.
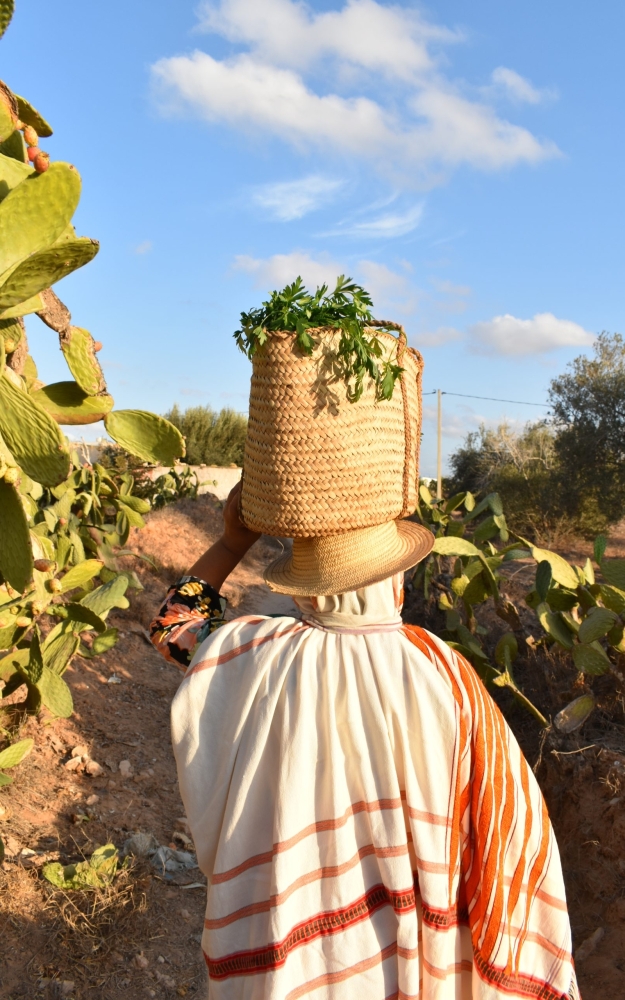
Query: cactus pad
{"type": "Point", "coordinates": [32, 436]}
{"type": "Point", "coordinates": [34, 214]}
{"type": "Point", "coordinates": [16, 557]}
{"type": "Point", "coordinates": [68, 404]}
{"type": "Point", "coordinates": [43, 269]}
{"type": "Point", "coordinates": [146, 435]}
{"type": "Point", "coordinates": [14, 146]}
{"type": "Point", "coordinates": [6, 13]}
{"type": "Point", "coordinates": [77, 346]}
{"type": "Point", "coordinates": [30, 116]}
{"type": "Point", "coordinates": [32, 305]}
{"type": "Point", "coordinates": [8, 111]}
{"type": "Point", "coordinates": [12, 173]}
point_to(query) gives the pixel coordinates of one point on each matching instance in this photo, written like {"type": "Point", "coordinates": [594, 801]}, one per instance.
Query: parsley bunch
{"type": "Point", "coordinates": [347, 308]}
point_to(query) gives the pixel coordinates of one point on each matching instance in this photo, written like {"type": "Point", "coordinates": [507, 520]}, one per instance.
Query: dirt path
{"type": "Point", "coordinates": [143, 941]}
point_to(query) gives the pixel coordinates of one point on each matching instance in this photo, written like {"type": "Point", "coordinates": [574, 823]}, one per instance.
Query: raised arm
{"type": "Point", "coordinates": [194, 607]}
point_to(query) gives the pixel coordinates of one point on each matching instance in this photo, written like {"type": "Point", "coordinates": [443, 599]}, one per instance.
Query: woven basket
{"type": "Point", "coordinates": [316, 464]}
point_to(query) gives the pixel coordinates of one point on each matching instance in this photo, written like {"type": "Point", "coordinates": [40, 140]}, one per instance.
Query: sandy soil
{"type": "Point", "coordinates": [143, 941]}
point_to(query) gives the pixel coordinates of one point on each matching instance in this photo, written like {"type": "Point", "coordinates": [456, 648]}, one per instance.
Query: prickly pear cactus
{"type": "Point", "coordinates": [62, 520]}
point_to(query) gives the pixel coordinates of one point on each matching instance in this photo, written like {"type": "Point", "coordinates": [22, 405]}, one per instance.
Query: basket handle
{"type": "Point", "coordinates": [390, 325]}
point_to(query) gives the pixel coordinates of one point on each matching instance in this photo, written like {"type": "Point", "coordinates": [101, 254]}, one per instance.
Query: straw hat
{"type": "Point", "coordinates": [336, 564]}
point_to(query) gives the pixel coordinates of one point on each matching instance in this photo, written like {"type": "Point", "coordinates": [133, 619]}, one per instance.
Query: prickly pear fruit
{"type": "Point", "coordinates": [77, 346]}
{"type": "Point", "coordinates": [16, 557]}
{"type": "Point", "coordinates": [35, 213]}
{"type": "Point", "coordinates": [32, 436]}
{"type": "Point", "coordinates": [44, 268]}
{"type": "Point", "coordinates": [41, 162]}
{"type": "Point", "coordinates": [30, 116]}
{"type": "Point", "coordinates": [32, 152]}
{"type": "Point", "coordinates": [30, 135]}
{"type": "Point", "coordinates": [97, 345]}
{"type": "Point", "coordinates": [68, 404]}
{"type": "Point", "coordinates": [11, 332]}
{"type": "Point", "coordinates": [62, 521]}
{"type": "Point", "coordinates": [11, 475]}
{"type": "Point", "coordinates": [23, 622]}
{"type": "Point", "coordinates": [37, 607]}
{"type": "Point", "coordinates": [6, 13]}
{"type": "Point", "coordinates": [146, 435]}
{"type": "Point", "coordinates": [54, 586]}
{"type": "Point", "coordinates": [44, 565]}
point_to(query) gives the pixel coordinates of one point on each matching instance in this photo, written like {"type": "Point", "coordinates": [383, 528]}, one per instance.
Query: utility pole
{"type": "Point", "coordinates": [439, 455]}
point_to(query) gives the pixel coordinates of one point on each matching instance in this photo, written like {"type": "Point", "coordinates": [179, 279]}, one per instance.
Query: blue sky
{"type": "Point", "coordinates": [463, 161]}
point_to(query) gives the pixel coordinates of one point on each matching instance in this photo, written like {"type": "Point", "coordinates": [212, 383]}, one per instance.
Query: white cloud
{"type": "Point", "coordinates": [392, 40]}
{"type": "Point", "coordinates": [448, 288]}
{"type": "Point", "coordinates": [388, 226]}
{"type": "Point", "coordinates": [144, 247]}
{"type": "Point", "coordinates": [517, 87]}
{"type": "Point", "coordinates": [511, 336]}
{"type": "Point", "coordinates": [389, 290]}
{"type": "Point", "coordinates": [417, 131]}
{"type": "Point", "coordinates": [288, 200]}
{"type": "Point", "coordinates": [439, 337]}
{"type": "Point", "coordinates": [283, 268]}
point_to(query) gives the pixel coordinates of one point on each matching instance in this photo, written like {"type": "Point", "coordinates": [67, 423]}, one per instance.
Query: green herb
{"type": "Point", "coordinates": [347, 308]}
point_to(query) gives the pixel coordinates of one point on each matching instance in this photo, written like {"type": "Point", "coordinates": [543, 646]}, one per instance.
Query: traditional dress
{"type": "Point", "coordinates": [365, 818]}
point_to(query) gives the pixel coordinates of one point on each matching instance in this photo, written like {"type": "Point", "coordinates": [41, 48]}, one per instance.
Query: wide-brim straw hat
{"type": "Point", "coordinates": [336, 564]}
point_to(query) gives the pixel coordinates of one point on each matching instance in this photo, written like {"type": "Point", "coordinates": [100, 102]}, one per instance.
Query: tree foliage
{"type": "Point", "coordinates": [212, 438]}
{"type": "Point", "coordinates": [565, 475]}
{"type": "Point", "coordinates": [588, 413]}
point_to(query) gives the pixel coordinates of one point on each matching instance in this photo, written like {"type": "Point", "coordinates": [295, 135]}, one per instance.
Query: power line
{"type": "Point", "coordinates": [490, 399]}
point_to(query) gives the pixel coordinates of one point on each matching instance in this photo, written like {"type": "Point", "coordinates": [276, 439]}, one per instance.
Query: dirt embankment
{"type": "Point", "coordinates": [142, 939]}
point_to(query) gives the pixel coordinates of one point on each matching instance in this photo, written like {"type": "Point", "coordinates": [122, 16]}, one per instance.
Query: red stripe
{"type": "Point", "coordinates": [329, 978]}
{"type": "Point", "coordinates": [329, 871]}
{"type": "Point", "coordinates": [246, 963]}
{"type": "Point", "coordinates": [215, 661]}
{"type": "Point", "coordinates": [322, 826]}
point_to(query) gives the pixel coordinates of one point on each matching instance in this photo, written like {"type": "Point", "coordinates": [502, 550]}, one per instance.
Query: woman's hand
{"type": "Point", "coordinates": [236, 536]}
{"type": "Point", "coordinates": [218, 562]}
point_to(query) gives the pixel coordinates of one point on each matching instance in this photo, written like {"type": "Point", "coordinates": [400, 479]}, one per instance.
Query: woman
{"type": "Point", "coordinates": [365, 819]}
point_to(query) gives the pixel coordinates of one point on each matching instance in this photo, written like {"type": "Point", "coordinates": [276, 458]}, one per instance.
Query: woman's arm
{"type": "Point", "coordinates": [217, 563]}
{"type": "Point", "coordinates": [194, 607]}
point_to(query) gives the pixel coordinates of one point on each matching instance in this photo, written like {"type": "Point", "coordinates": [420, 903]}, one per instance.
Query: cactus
{"type": "Point", "coordinates": [32, 436]}
{"type": "Point", "coordinates": [12, 173]}
{"type": "Point", "coordinates": [59, 529]}
{"type": "Point", "coordinates": [35, 213]}
{"type": "Point", "coordinates": [11, 333]}
{"type": "Point", "coordinates": [78, 348]}
{"type": "Point", "coordinates": [45, 268]}
{"type": "Point", "coordinates": [9, 115]}
{"type": "Point", "coordinates": [16, 558]}
{"type": "Point", "coordinates": [68, 404]}
{"type": "Point", "coordinates": [30, 116]}
{"type": "Point", "coordinates": [6, 13]}
{"type": "Point", "coordinates": [14, 146]}
{"type": "Point", "coordinates": [32, 305]}
{"type": "Point", "coordinates": [144, 434]}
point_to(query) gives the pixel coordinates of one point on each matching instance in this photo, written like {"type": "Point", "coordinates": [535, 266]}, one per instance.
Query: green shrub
{"type": "Point", "coordinates": [212, 438]}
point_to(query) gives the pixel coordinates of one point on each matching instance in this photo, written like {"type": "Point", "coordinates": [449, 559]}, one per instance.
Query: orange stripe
{"type": "Point", "coordinates": [454, 969]}
{"type": "Point", "coordinates": [558, 904]}
{"type": "Point", "coordinates": [215, 661]}
{"type": "Point", "coordinates": [322, 826]}
{"type": "Point", "coordinates": [330, 871]}
{"type": "Point", "coordinates": [329, 978]}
